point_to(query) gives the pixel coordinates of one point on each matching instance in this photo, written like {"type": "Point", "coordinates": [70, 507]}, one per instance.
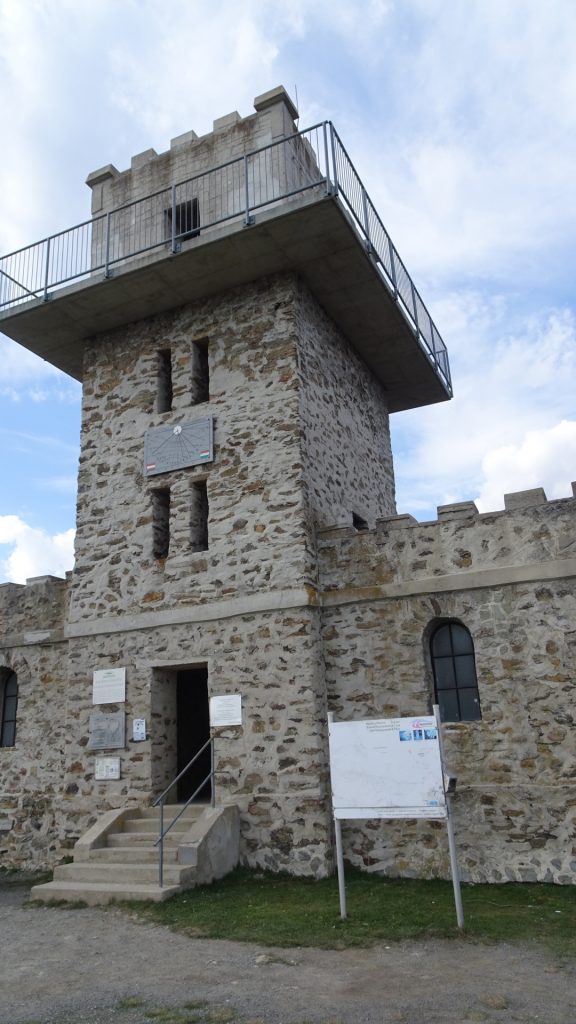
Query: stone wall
{"type": "Point", "coordinates": [31, 645]}
{"type": "Point", "coordinates": [345, 425]}
{"type": "Point", "coordinates": [510, 577]}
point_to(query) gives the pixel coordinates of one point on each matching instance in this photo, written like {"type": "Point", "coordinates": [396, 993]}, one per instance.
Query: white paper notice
{"type": "Point", "coordinates": [109, 686]}
{"type": "Point", "coordinates": [138, 729]}
{"type": "Point", "coordinates": [107, 768]}
{"type": "Point", "coordinates": [226, 710]}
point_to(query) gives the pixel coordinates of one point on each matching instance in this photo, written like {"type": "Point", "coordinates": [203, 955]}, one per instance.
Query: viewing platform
{"type": "Point", "coordinates": [295, 205]}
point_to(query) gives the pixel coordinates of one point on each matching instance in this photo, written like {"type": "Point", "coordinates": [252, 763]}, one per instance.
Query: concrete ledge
{"type": "Point", "coordinates": [478, 579]}
{"type": "Point", "coordinates": [96, 836]}
{"type": "Point", "coordinates": [212, 844]}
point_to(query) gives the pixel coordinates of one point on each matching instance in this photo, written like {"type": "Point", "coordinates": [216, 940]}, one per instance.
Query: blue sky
{"type": "Point", "coordinates": [460, 117]}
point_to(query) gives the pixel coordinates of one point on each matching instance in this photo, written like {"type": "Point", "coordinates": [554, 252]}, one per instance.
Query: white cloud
{"type": "Point", "coordinates": [513, 379]}
{"type": "Point", "coordinates": [544, 458]}
{"type": "Point", "coordinates": [33, 552]}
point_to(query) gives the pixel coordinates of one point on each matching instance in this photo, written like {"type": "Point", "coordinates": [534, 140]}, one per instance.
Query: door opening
{"type": "Point", "coordinates": [193, 730]}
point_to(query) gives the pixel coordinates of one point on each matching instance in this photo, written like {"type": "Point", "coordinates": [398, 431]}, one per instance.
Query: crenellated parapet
{"type": "Point", "coordinates": [33, 613]}
{"type": "Point", "coordinates": [531, 538]}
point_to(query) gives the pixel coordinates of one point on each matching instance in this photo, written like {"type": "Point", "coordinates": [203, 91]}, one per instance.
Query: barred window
{"type": "Point", "coordinates": [455, 681]}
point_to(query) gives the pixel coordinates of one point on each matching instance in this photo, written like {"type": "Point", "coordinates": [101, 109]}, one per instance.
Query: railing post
{"type": "Point", "coordinates": [107, 259]}
{"type": "Point", "coordinates": [173, 221]}
{"type": "Point", "coordinates": [414, 306]}
{"type": "Point", "coordinates": [326, 160]}
{"type": "Point", "coordinates": [161, 852]}
{"type": "Point", "coordinates": [334, 168]}
{"type": "Point", "coordinates": [46, 270]}
{"type": "Point", "coordinates": [212, 775]}
{"type": "Point", "coordinates": [392, 266]}
{"type": "Point", "coordinates": [247, 217]}
{"type": "Point", "coordinates": [366, 221]}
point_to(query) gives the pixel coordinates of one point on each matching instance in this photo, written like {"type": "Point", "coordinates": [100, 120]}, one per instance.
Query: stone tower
{"type": "Point", "coordinates": [243, 328]}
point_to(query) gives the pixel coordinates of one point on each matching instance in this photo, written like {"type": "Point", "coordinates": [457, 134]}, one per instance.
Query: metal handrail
{"type": "Point", "coordinates": [230, 191]}
{"type": "Point", "coordinates": [161, 800]}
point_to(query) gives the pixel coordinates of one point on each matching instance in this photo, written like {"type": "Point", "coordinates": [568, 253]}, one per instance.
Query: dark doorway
{"type": "Point", "coordinates": [193, 731]}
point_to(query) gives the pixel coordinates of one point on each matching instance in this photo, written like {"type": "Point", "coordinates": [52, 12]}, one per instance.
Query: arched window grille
{"type": "Point", "coordinates": [455, 681]}
{"type": "Point", "coordinates": [9, 697]}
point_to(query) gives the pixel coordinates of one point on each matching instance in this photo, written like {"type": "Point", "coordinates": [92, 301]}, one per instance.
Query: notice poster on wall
{"type": "Point", "coordinates": [225, 710]}
{"type": "Point", "coordinates": [107, 769]}
{"type": "Point", "coordinates": [109, 686]}
{"type": "Point", "coordinates": [387, 768]}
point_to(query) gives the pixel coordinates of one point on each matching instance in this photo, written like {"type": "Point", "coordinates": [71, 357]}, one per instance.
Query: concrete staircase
{"type": "Point", "coordinates": [116, 859]}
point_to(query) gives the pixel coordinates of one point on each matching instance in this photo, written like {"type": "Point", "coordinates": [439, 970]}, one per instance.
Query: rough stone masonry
{"type": "Point", "coordinates": [281, 570]}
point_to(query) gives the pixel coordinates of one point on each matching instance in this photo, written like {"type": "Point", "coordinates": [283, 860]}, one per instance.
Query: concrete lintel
{"type": "Point", "coordinates": [279, 600]}
{"type": "Point", "coordinates": [478, 579]}
{"type": "Point", "coordinates": [524, 499]}
{"type": "Point", "coordinates": [101, 175]}
{"type": "Point", "coordinates": [274, 96]}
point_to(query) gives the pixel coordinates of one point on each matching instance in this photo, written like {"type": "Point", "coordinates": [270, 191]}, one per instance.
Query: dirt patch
{"type": "Point", "coordinates": [87, 966]}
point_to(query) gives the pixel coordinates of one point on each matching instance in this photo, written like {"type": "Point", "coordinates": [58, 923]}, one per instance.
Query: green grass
{"type": "Point", "coordinates": [280, 910]}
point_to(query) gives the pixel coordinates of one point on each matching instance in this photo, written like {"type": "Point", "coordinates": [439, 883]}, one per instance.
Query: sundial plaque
{"type": "Point", "coordinates": [185, 444]}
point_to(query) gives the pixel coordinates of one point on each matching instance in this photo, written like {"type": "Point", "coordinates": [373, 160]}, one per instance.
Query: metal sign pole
{"type": "Point", "coordinates": [340, 864]}
{"type": "Point", "coordinates": [339, 850]}
{"type": "Point", "coordinates": [450, 827]}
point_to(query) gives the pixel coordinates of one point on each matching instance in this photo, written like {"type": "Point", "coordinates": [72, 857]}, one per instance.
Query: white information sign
{"type": "Point", "coordinates": [109, 686]}
{"type": "Point", "coordinates": [138, 729]}
{"type": "Point", "coordinates": [107, 768]}
{"type": "Point", "coordinates": [387, 768]}
{"type": "Point", "coordinates": [226, 710]}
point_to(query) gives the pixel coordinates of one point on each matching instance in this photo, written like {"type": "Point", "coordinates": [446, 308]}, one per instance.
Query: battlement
{"type": "Point", "coordinates": [251, 199]}
{"type": "Point", "coordinates": [35, 612]}
{"type": "Point", "coordinates": [531, 538]}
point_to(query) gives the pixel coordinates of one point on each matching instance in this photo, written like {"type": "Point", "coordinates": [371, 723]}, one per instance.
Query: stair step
{"type": "Point", "coordinates": [148, 824]}
{"type": "Point", "coordinates": [97, 893]}
{"type": "Point", "coordinates": [171, 810]}
{"type": "Point", "coordinates": [125, 874]}
{"type": "Point", "coordinates": [142, 838]}
{"type": "Point", "coordinates": [138, 853]}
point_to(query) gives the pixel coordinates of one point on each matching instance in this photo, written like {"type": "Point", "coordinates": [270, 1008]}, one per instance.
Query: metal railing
{"type": "Point", "coordinates": [161, 800]}
{"type": "Point", "coordinates": [314, 159]}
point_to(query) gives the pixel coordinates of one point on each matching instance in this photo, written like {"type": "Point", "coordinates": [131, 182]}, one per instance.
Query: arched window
{"type": "Point", "coordinates": [455, 682]}
{"type": "Point", "coordinates": [9, 699]}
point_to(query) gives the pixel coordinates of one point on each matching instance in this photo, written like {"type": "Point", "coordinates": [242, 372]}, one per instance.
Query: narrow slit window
{"type": "Point", "coordinates": [200, 384]}
{"type": "Point", "coordinates": [161, 523]}
{"type": "Point", "coordinates": [165, 393]}
{"type": "Point", "coordinates": [199, 516]}
{"type": "Point", "coordinates": [9, 699]}
{"type": "Point", "coordinates": [455, 681]}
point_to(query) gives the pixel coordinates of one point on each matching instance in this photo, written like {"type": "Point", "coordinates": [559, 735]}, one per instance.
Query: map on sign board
{"type": "Point", "coordinates": [387, 768]}
{"type": "Point", "coordinates": [175, 447]}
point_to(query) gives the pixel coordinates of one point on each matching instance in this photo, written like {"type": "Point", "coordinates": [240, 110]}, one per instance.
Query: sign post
{"type": "Point", "coordinates": [389, 768]}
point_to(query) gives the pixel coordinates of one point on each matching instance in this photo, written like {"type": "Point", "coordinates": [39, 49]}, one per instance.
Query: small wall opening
{"type": "Point", "coordinates": [161, 523]}
{"type": "Point", "coordinates": [8, 707]}
{"type": "Point", "coordinates": [199, 516]}
{"type": "Point", "coordinates": [200, 383]}
{"type": "Point", "coordinates": [164, 391]}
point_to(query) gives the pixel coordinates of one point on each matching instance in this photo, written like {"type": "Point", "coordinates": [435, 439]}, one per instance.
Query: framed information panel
{"type": "Point", "coordinates": [387, 768]}
{"type": "Point", "coordinates": [178, 446]}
